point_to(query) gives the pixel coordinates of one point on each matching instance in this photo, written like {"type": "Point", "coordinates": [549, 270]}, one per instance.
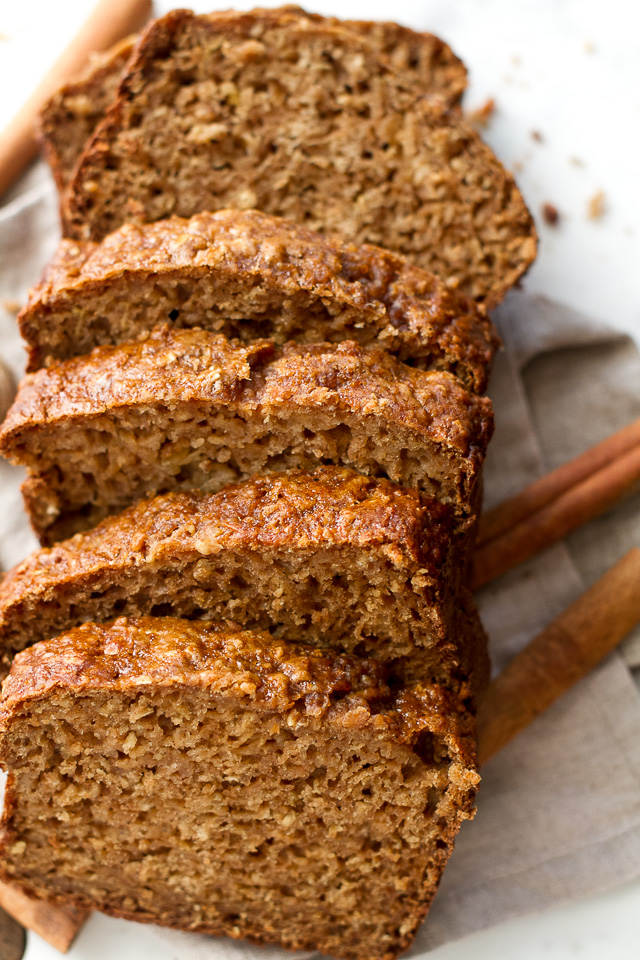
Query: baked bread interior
{"type": "Point", "coordinates": [346, 561]}
{"type": "Point", "coordinates": [72, 114]}
{"type": "Point", "coordinates": [248, 275]}
{"type": "Point", "coordinates": [188, 409]}
{"type": "Point", "coordinates": [308, 121]}
{"type": "Point", "coordinates": [70, 117]}
{"type": "Point", "coordinates": [208, 779]}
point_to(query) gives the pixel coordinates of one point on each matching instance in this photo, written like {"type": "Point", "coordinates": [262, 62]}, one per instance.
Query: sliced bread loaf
{"type": "Point", "coordinates": [245, 274]}
{"type": "Point", "coordinates": [72, 114]}
{"type": "Point", "coordinates": [189, 409]}
{"type": "Point", "coordinates": [203, 778]}
{"type": "Point", "coordinates": [304, 120]}
{"type": "Point", "coordinates": [346, 561]}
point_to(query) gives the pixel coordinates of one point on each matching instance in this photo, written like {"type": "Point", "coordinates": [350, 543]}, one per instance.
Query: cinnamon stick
{"type": "Point", "coordinates": [561, 655]}
{"type": "Point", "coordinates": [567, 512]}
{"type": "Point", "coordinates": [110, 21]}
{"type": "Point", "coordinates": [494, 523]}
{"type": "Point", "coordinates": [55, 924]}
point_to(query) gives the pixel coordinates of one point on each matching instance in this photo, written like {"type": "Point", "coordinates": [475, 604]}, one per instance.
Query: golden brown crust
{"type": "Point", "coordinates": [465, 221]}
{"type": "Point", "coordinates": [289, 511]}
{"type": "Point", "coordinates": [72, 114]}
{"type": "Point", "coordinates": [305, 683]}
{"type": "Point", "coordinates": [291, 282]}
{"type": "Point", "coordinates": [354, 563]}
{"type": "Point", "coordinates": [191, 365]}
{"type": "Point", "coordinates": [130, 674]}
{"type": "Point", "coordinates": [276, 408]}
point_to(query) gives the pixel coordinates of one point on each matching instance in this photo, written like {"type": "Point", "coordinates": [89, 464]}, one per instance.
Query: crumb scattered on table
{"type": "Point", "coordinates": [537, 136]}
{"type": "Point", "coordinates": [589, 47]}
{"type": "Point", "coordinates": [576, 161]}
{"type": "Point", "coordinates": [11, 306]}
{"type": "Point", "coordinates": [481, 116]}
{"type": "Point", "coordinates": [550, 214]}
{"type": "Point", "coordinates": [596, 206]}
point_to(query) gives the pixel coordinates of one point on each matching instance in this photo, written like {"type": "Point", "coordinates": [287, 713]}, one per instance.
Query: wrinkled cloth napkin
{"type": "Point", "coordinates": [559, 809]}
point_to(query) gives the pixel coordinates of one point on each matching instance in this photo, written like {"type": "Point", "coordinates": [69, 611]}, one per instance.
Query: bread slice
{"type": "Point", "coordinates": [210, 780]}
{"type": "Point", "coordinates": [348, 562]}
{"type": "Point", "coordinates": [245, 274]}
{"type": "Point", "coordinates": [308, 121]}
{"type": "Point", "coordinates": [70, 117]}
{"type": "Point", "coordinates": [72, 114]}
{"type": "Point", "coordinates": [189, 409]}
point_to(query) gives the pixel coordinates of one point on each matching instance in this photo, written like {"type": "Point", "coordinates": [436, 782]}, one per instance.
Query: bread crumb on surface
{"type": "Point", "coordinates": [11, 306]}
{"type": "Point", "coordinates": [550, 214]}
{"type": "Point", "coordinates": [596, 206]}
{"type": "Point", "coordinates": [537, 136]}
{"type": "Point", "coordinates": [481, 116]}
{"type": "Point", "coordinates": [576, 161]}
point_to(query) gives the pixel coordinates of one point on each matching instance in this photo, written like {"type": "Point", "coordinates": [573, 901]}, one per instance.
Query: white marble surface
{"type": "Point", "coordinates": [569, 70]}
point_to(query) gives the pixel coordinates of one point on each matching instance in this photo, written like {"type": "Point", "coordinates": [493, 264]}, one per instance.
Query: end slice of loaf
{"type": "Point", "coordinates": [245, 274]}
{"type": "Point", "coordinates": [207, 779]}
{"type": "Point", "coordinates": [70, 117]}
{"type": "Point", "coordinates": [347, 561]}
{"type": "Point", "coordinates": [189, 409]}
{"type": "Point", "coordinates": [307, 121]}
{"type": "Point", "coordinates": [72, 114]}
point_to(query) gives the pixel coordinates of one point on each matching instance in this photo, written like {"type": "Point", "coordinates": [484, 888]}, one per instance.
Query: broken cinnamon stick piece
{"type": "Point", "coordinates": [561, 655]}
{"type": "Point", "coordinates": [110, 21]}
{"type": "Point", "coordinates": [55, 924]}
{"type": "Point", "coordinates": [567, 512]}
{"type": "Point", "coordinates": [539, 494]}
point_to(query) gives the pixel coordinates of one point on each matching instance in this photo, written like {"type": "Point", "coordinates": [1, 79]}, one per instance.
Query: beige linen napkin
{"type": "Point", "coordinates": [559, 809]}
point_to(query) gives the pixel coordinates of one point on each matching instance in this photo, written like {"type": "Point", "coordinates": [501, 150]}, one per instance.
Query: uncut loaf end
{"type": "Point", "coordinates": [305, 120]}
{"type": "Point", "coordinates": [292, 796]}
{"type": "Point", "coordinates": [72, 114]}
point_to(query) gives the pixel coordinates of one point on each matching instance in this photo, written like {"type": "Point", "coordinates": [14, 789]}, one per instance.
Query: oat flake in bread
{"type": "Point", "coordinates": [245, 274]}
{"type": "Point", "coordinates": [189, 409]}
{"type": "Point", "coordinates": [72, 114]}
{"type": "Point", "coordinates": [303, 120]}
{"type": "Point", "coordinates": [349, 562]}
{"type": "Point", "coordinates": [290, 796]}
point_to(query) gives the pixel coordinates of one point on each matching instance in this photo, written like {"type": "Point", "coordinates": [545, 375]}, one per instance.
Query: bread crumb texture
{"type": "Point", "coordinates": [245, 274]}
{"type": "Point", "coordinates": [72, 114]}
{"type": "Point", "coordinates": [349, 562]}
{"type": "Point", "coordinates": [305, 120]}
{"type": "Point", "coordinates": [190, 409]}
{"type": "Point", "coordinates": [206, 778]}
